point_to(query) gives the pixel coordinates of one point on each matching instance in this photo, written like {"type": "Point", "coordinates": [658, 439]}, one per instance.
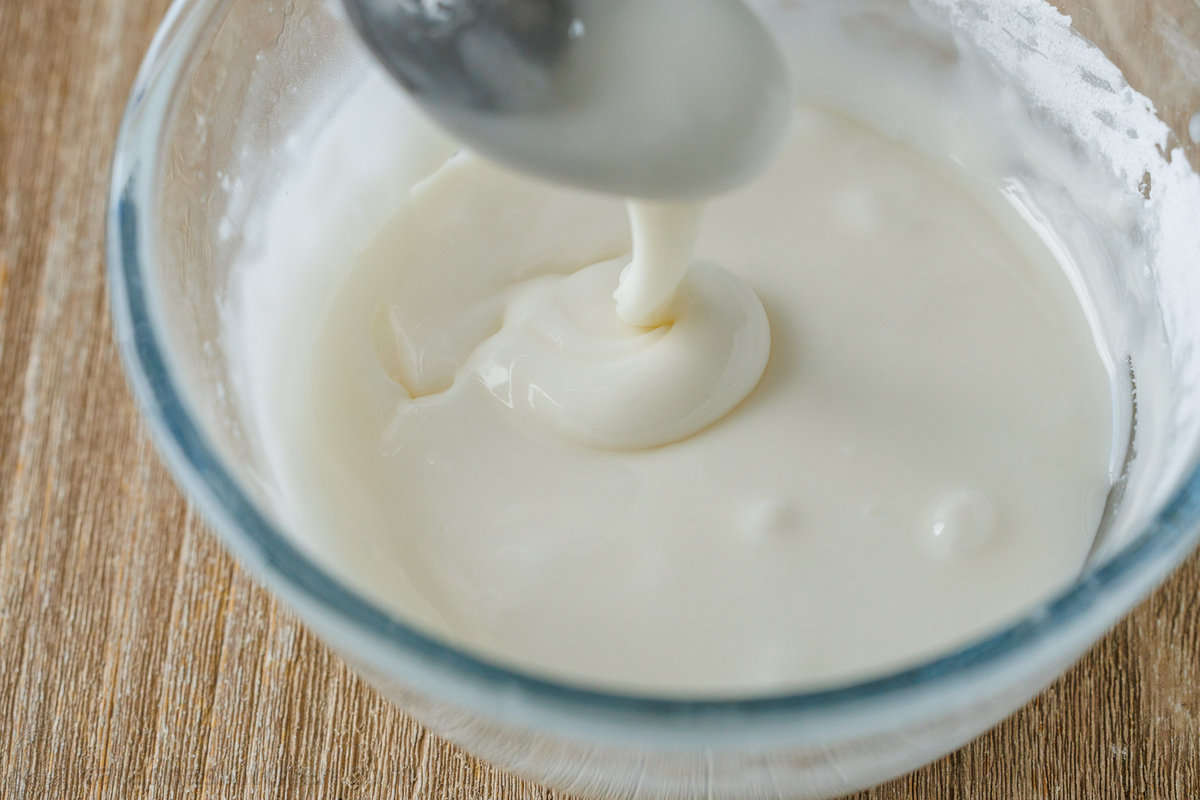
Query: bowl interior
{"type": "Point", "coordinates": [230, 85]}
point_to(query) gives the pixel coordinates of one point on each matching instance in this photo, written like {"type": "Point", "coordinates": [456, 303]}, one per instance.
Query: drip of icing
{"type": "Point", "coordinates": [564, 358]}
{"type": "Point", "coordinates": [681, 346]}
{"type": "Point", "coordinates": [663, 237]}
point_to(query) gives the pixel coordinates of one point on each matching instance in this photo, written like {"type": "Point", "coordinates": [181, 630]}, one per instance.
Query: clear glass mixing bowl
{"type": "Point", "coordinates": [213, 106]}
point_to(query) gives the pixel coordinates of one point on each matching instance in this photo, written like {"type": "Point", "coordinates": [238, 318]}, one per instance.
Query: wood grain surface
{"type": "Point", "coordinates": [137, 661]}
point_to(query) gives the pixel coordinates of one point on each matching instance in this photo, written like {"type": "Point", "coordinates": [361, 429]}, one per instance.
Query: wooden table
{"type": "Point", "coordinates": [137, 661]}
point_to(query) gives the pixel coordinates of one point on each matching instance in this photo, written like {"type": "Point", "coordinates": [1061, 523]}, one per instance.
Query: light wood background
{"type": "Point", "coordinates": [137, 661]}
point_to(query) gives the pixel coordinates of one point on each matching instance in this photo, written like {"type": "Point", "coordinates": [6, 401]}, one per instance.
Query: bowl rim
{"type": "Point", "coordinates": [264, 548]}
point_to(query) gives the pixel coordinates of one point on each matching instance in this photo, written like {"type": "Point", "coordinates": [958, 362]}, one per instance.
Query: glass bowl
{"type": "Point", "coordinates": [208, 126]}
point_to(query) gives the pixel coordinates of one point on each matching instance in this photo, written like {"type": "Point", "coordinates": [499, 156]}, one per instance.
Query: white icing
{"type": "Point", "coordinates": [882, 473]}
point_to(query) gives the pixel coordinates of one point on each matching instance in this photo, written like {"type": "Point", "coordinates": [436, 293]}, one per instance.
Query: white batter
{"type": "Point", "coordinates": [874, 424]}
